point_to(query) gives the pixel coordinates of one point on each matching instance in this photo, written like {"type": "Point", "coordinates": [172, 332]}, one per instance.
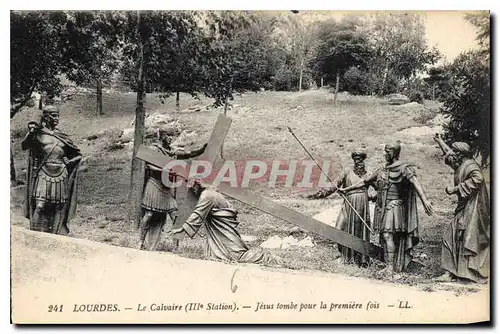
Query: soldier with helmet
{"type": "Point", "coordinates": [158, 201]}
{"type": "Point", "coordinates": [53, 163]}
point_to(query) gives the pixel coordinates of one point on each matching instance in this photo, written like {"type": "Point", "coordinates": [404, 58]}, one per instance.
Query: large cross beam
{"type": "Point", "coordinates": [257, 201]}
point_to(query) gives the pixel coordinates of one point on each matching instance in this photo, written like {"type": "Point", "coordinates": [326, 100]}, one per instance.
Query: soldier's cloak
{"type": "Point", "coordinates": [33, 167]}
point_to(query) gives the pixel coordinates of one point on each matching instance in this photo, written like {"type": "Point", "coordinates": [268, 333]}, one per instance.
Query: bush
{"type": "Point", "coordinates": [287, 79]}
{"type": "Point", "coordinates": [416, 96]}
{"type": "Point", "coordinates": [374, 83]}
{"type": "Point", "coordinates": [356, 81]}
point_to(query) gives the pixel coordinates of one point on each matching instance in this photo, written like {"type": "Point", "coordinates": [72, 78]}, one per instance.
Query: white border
{"type": "Point", "coordinates": [191, 4]}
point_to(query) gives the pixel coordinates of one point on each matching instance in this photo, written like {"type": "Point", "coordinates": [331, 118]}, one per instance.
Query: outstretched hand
{"type": "Point", "coordinates": [175, 231]}
{"type": "Point", "coordinates": [428, 208]}
{"type": "Point", "coordinates": [450, 190]}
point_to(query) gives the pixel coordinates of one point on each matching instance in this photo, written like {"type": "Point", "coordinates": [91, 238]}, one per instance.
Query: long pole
{"type": "Point", "coordinates": [329, 179]}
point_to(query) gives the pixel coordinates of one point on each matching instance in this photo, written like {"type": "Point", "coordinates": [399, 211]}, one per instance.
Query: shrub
{"type": "Point", "coordinates": [287, 79]}
{"type": "Point", "coordinates": [416, 96]}
{"type": "Point", "coordinates": [356, 81]}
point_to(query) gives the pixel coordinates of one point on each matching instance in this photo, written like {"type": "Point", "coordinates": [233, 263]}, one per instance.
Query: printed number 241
{"type": "Point", "coordinates": [55, 308]}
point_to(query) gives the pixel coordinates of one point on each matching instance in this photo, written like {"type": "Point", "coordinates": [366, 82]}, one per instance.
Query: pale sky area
{"type": "Point", "coordinates": [450, 32]}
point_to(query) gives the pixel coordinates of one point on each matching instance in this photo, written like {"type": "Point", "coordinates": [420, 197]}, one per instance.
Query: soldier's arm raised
{"type": "Point", "coordinates": [191, 154]}
{"type": "Point", "coordinates": [27, 142]}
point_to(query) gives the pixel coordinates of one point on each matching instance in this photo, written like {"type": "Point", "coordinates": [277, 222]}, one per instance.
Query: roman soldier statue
{"type": "Point", "coordinates": [51, 187]}
{"type": "Point", "coordinates": [158, 201]}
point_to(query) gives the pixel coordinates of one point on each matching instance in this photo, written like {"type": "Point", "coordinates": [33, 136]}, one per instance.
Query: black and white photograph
{"type": "Point", "coordinates": [250, 166]}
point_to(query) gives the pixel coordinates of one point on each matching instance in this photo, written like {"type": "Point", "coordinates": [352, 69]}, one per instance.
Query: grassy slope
{"type": "Point", "coordinates": [259, 130]}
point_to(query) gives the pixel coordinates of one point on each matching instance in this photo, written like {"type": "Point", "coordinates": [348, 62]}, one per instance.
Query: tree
{"type": "Point", "coordinates": [399, 46]}
{"type": "Point", "coordinates": [154, 44]}
{"type": "Point", "coordinates": [469, 101]}
{"type": "Point", "coordinates": [342, 45]}
{"type": "Point", "coordinates": [297, 40]}
{"type": "Point", "coordinates": [481, 21]}
{"type": "Point", "coordinates": [236, 54]}
{"type": "Point", "coordinates": [175, 54]}
{"type": "Point", "coordinates": [36, 59]}
{"type": "Point", "coordinates": [136, 34]}
{"type": "Point", "coordinates": [36, 55]}
{"type": "Point", "coordinates": [178, 68]}
{"type": "Point", "coordinates": [439, 81]}
{"type": "Point", "coordinates": [92, 48]}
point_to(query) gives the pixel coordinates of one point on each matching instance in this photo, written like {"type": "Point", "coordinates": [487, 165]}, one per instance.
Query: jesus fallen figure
{"type": "Point", "coordinates": [223, 239]}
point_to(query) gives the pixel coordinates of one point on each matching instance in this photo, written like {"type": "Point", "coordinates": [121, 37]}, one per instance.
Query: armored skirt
{"type": "Point", "coordinates": [157, 197]}
{"type": "Point", "coordinates": [51, 184]}
{"type": "Point", "coordinates": [392, 218]}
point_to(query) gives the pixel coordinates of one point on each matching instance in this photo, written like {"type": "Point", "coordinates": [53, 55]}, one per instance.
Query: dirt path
{"type": "Point", "coordinates": [56, 270]}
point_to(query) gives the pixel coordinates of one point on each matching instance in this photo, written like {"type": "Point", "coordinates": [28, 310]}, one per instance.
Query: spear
{"type": "Point", "coordinates": [329, 179]}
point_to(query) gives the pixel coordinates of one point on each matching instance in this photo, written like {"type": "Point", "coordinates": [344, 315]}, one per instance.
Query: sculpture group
{"type": "Point", "coordinates": [51, 199]}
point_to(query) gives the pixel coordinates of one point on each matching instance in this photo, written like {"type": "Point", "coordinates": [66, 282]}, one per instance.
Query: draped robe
{"type": "Point", "coordinates": [223, 239]}
{"type": "Point", "coordinates": [466, 241]}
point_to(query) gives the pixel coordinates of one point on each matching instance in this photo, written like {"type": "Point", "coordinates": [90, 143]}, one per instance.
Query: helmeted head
{"type": "Point", "coordinates": [166, 136]}
{"type": "Point", "coordinates": [50, 115]}
{"type": "Point", "coordinates": [392, 151]}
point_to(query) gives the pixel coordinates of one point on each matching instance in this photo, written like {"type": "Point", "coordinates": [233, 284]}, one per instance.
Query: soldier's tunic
{"type": "Point", "coordinates": [159, 201]}
{"type": "Point", "coordinates": [396, 209]}
{"type": "Point", "coordinates": [157, 197]}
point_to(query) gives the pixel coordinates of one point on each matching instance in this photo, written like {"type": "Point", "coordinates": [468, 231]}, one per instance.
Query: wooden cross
{"type": "Point", "coordinates": [255, 200]}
